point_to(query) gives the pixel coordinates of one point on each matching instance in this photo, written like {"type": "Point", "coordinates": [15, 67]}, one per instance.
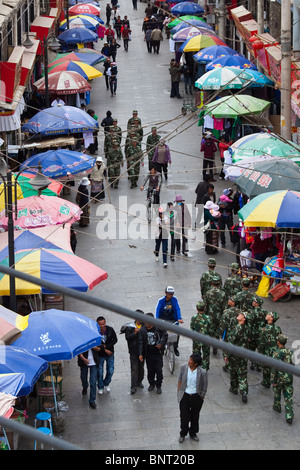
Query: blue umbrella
{"type": "Point", "coordinates": [17, 359]}
{"type": "Point", "coordinates": [77, 35]}
{"type": "Point", "coordinates": [12, 383]}
{"type": "Point", "coordinates": [187, 8]}
{"type": "Point", "coordinates": [59, 163]}
{"type": "Point", "coordinates": [56, 335]}
{"type": "Point", "coordinates": [259, 79]}
{"type": "Point", "coordinates": [237, 61]}
{"type": "Point", "coordinates": [60, 120]}
{"type": "Point", "coordinates": [213, 52]}
{"type": "Point", "coordinates": [190, 22]}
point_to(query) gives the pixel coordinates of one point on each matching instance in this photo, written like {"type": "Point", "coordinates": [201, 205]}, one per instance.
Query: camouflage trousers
{"type": "Point", "coordinates": [114, 170]}
{"type": "Point", "coordinates": [205, 353]}
{"type": "Point", "coordinates": [287, 392]}
{"type": "Point", "coordinates": [238, 376]}
{"type": "Point", "coordinates": [134, 172]}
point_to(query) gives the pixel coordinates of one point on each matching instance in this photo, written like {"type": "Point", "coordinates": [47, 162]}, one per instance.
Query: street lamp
{"type": "Point", "coordinates": [39, 182]}
{"type": "Point", "coordinates": [54, 45]}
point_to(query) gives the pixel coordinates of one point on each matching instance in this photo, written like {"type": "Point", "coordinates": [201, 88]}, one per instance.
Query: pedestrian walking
{"type": "Point", "coordinates": [188, 76]}
{"type": "Point", "coordinates": [225, 204]}
{"type": "Point", "coordinates": [106, 355]}
{"type": "Point", "coordinates": [108, 13]}
{"type": "Point", "coordinates": [97, 178]}
{"type": "Point", "coordinates": [175, 238]}
{"type": "Point", "coordinates": [114, 46]}
{"type": "Point", "coordinates": [83, 199]}
{"type": "Point", "coordinates": [201, 191]}
{"type": "Point", "coordinates": [126, 35]}
{"type": "Point", "coordinates": [162, 158]}
{"type": "Point", "coordinates": [132, 335]}
{"type": "Point", "coordinates": [183, 224]}
{"type": "Point", "coordinates": [112, 73]}
{"type": "Point", "coordinates": [161, 236]}
{"type": "Point", "coordinates": [156, 38]}
{"type": "Point", "coordinates": [152, 345]}
{"type": "Point", "coordinates": [107, 122]}
{"type": "Point", "coordinates": [134, 4]}
{"type": "Point", "coordinates": [134, 118]}
{"type": "Point", "coordinates": [118, 26]}
{"type": "Point", "coordinates": [191, 391]}
{"type": "Point", "coordinates": [88, 362]}
{"type": "Point", "coordinates": [147, 38]}
{"type": "Point", "coordinates": [283, 381]}
{"type": "Point", "coordinates": [209, 148]}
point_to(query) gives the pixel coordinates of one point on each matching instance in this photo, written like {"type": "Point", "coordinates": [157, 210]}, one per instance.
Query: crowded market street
{"type": "Point", "coordinates": [118, 241]}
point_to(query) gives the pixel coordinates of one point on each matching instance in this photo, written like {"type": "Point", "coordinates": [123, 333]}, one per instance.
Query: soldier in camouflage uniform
{"type": "Point", "coordinates": [201, 323]}
{"type": "Point", "coordinates": [134, 156]}
{"type": "Point", "coordinates": [238, 336]}
{"type": "Point", "coordinates": [205, 280]}
{"type": "Point", "coordinates": [243, 300]}
{"type": "Point", "coordinates": [114, 158]}
{"type": "Point", "coordinates": [215, 303]}
{"type": "Point", "coordinates": [257, 320]}
{"type": "Point", "coordinates": [116, 130]}
{"type": "Point", "coordinates": [134, 117]}
{"type": "Point", "coordinates": [152, 142]}
{"type": "Point", "coordinates": [233, 284]}
{"type": "Point", "coordinates": [267, 343]}
{"type": "Point", "coordinates": [228, 320]}
{"type": "Point", "coordinates": [283, 381]}
{"type": "Point", "coordinates": [136, 126]}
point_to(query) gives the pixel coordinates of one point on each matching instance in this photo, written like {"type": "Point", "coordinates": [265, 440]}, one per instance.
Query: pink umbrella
{"type": "Point", "coordinates": [83, 8]}
{"type": "Point", "coordinates": [41, 211]}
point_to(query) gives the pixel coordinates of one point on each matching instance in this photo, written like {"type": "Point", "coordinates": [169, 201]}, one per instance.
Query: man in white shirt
{"type": "Point", "coordinates": [57, 102]}
{"type": "Point", "coordinates": [191, 390]}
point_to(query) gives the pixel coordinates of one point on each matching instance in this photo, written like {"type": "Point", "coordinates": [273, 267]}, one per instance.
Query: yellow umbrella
{"type": "Point", "coordinates": [201, 41]}
{"type": "Point", "coordinates": [2, 193]}
{"type": "Point", "coordinates": [86, 71]}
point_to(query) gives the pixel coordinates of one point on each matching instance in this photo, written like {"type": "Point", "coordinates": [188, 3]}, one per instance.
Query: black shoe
{"type": "Point", "coordinates": [140, 385]}
{"type": "Point", "coordinates": [235, 392]}
{"type": "Point", "coordinates": [244, 398]}
{"type": "Point", "coordinates": [177, 353]}
{"type": "Point", "coordinates": [150, 388]}
{"type": "Point", "coordinates": [289, 420]}
{"type": "Point", "coordinates": [158, 391]}
{"type": "Point", "coordinates": [93, 405]}
{"type": "Point", "coordinates": [172, 258]}
{"type": "Point", "coordinates": [194, 437]}
{"type": "Point", "coordinates": [132, 390]}
{"type": "Point", "coordinates": [84, 391]}
{"type": "Point", "coordinates": [181, 439]}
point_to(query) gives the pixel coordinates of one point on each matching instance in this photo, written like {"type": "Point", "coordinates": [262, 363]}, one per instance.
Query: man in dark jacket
{"type": "Point", "coordinates": [152, 345]}
{"type": "Point", "coordinates": [132, 335]}
{"type": "Point", "coordinates": [106, 354]}
{"type": "Point", "coordinates": [201, 191]}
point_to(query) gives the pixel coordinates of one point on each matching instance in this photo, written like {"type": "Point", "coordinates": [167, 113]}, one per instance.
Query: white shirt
{"type": "Point", "coordinates": [191, 383]}
{"type": "Point", "coordinates": [91, 359]}
{"type": "Point", "coordinates": [58, 102]}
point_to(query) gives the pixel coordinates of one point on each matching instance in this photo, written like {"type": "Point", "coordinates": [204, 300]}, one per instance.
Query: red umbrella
{"type": "Point", "coordinates": [82, 8]}
{"type": "Point", "coordinates": [63, 83]}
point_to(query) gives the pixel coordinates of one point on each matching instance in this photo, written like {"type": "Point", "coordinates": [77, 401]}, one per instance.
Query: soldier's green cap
{"type": "Point", "coordinates": [153, 128]}
{"type": "Point", "coordinates": [134, 111]}
{"type": "Point", "coordinates": [215, 280]}
{"type": "Point", "coordinates": [282, 338]}
{"type": "Point", "coordinates": [200, 305]}
{"type": "Point", "coordinates": [258, 300]}
{"type": "Point", "coordinates": [246, 281]}
{"type": "Point", "coordinates": [211, 262]}
{"type": "Point", "coordinates": [235, 266]}
{"type": "Point", "coordinates": [115, 120]}
{"type": "Point", "coordinates": [245, 314]}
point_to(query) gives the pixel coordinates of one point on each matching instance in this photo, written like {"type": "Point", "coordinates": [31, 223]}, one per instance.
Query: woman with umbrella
{"type": "Point", "coordinates": [82, 199]}
{"type": "Point", "coordinates": [97, 176]}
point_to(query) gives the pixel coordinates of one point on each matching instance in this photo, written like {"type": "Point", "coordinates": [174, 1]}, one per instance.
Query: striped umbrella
{"type": "Point", "coordinates": [85, 70]}
{"type": "Point", "coordinates": [201, 41]}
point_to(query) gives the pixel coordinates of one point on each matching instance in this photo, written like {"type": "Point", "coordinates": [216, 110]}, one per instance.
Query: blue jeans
{"type": "Point", "coordinates": [110, 367]}
{"type": "Point", "coordinates": [164, 243]}
{"type": "Point", "coordinates": [93, 380]}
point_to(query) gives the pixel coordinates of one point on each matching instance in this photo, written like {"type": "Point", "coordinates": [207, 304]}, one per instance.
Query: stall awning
{"type": "Point", "coordinates": [28, 61]}
{"type": "Point", "coordinates": [12, 122]}
{"type": "Point", "coordinates": [42, 25]}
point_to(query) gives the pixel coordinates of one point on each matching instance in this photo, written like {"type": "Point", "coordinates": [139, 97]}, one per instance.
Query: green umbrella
{"type": "Point", "coordinates": [235, 105]}
{"type": "Point", "coordinates": [184, 18]}
{"type": "Point", "coordinates": [262, 143]}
